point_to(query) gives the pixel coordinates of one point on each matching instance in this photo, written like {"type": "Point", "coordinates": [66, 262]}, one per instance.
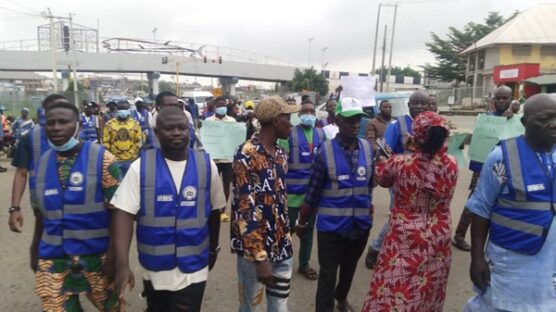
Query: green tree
{"type": "Point", "coordinates": [451, 63]}
{"type": "Point", "coordinates": [398, 71]}
{"type": "Point", "coordinates": [309, 80]}
{"type": "Point", "coordinates": [166, 86]}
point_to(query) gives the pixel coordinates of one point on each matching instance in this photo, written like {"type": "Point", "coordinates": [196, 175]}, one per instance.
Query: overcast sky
{"type": "Point", "coordinates": [276, 28]}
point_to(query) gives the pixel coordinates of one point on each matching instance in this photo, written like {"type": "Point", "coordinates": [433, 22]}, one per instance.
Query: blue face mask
{"type": "Point", "coordinates": [308, 120]}
{"type": "Point", "coordinates": [221, 111]}
{"type": "Point", "coordinates": [71, 143]}
{"type": "Point", "coordinates": [123, 113]}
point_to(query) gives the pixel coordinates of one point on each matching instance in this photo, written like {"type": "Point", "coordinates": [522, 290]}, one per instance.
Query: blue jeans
{"type": "Point", "coordinates": [377, 242]}
{"type": "Point", "coordinates": [251, 290]}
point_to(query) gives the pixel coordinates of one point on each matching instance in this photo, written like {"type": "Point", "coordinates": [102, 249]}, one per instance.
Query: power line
{"type": "Point", "coordinates": [19, 12]}
{"type": "Point", "coordinates": [22, 6]}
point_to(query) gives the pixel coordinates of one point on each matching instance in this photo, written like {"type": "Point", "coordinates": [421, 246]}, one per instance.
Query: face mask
{"type": "Point", "coordinates": [71, 143]}
{"type": "Point", "coordinates": [308, 120]}
{"type": "Point", "coordinates": [222, 110]}
{"type": "Point", "coordinates": [123, 113]}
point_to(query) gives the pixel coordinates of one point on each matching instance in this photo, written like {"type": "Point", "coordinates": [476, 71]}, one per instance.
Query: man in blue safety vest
{"type": "Point", "coordinates": [25, 159]}
{"type": "Point", "coordinates": [90, 124]}
{"type": "Point", "coordinates": [142, 115]}
{"type": "Point", "coordinates": [301, 146]}
{"type": "Point", "coordinates": [513, 209]}
{"type": "Point", "coordinates": [175, 194]}
{"type": "Point", "coordinates": [69, 251]}
{"type": "Point", "coordinates": [340, 193]}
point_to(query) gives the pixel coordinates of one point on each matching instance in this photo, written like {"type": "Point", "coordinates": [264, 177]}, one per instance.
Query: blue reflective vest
{"type": "Point", "coordinates": [172, 225]}
{"type": "Point", "coordinates": [39, 146]}
{"type": "Point", "coordinates": [89, 128]}
{"type": "Point", "coordinates": [346, 198]}
{"type": "Point", "coordinates": [300, 159]}
{"type": "Point", "coordinates": [75, 219]}
{"type": "Point", "coordinates": [520, 220]}
{"type": "Point", "coordinates": [143, 120]}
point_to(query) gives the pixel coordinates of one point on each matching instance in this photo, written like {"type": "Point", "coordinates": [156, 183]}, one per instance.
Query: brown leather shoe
{"type": "Point", "coordinates": [461, 244]}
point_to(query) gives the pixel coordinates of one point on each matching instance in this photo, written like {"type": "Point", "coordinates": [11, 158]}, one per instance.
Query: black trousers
{"type": "Point", "coordinates": [188, 299]}
{"type": "Point", "coordinates": [336, 251]}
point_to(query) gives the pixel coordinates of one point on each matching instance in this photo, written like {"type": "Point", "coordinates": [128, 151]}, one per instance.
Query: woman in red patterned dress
{"type": "Point", "coordinates": [412, 269]}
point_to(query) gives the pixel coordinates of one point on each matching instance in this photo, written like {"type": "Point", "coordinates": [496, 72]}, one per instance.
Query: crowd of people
{"type": "Point", "coordinates": [93, 175]}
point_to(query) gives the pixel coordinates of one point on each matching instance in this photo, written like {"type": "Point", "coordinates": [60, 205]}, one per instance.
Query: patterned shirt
{"type": "Point", "coordinates": [123, 138]}
{"type": "Point", "coordinates": [260, 228]}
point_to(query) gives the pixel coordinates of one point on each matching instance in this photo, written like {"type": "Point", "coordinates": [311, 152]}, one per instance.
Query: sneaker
{"type": "Point", "coordinates": [461, 244]}
{"type": "Point", "coordinates": [3, 169]}
{"type": "Point", "coordinates": [224, 218]}
{"type": "Point", "coordinates": [371, 258]}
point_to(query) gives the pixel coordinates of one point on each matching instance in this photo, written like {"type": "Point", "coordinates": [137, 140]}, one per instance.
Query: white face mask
{"type": "Point", "coordinates": [71, 143]}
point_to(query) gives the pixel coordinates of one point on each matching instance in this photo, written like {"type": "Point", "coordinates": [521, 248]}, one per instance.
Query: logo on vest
{"type": "Point", "coordinates": [305, 153]}
{"type": "Point", "coordinates": [343, 177]}
{"type": "Point", "coordinates": [361, 173]}
{"type": "Point", "coordinates": [535, 187]}
{"type": "Point", "coordinates": [76, 178]}
{"type": "Point", "coordinates": [189, 192]}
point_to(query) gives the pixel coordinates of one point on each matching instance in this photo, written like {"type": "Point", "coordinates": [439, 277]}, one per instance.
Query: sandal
{"type": "Point", "coordinates": [309, 273]}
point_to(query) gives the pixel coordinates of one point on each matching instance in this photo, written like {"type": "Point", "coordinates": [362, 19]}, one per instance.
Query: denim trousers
{"type": "Point", "coordinates": [251, 291]}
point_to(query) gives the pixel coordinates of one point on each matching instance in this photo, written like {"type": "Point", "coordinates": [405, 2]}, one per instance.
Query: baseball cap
{"type": "Point", "coordinates": [138, 99]}
{"type": "Point", "coordinates": [349, 107]}
{"type": "Point", "coordinates": [25, 109]}
{"type": "Point", "coordinates": [272, 107]}
{"type": "Point", "coordinates": [91, 104]}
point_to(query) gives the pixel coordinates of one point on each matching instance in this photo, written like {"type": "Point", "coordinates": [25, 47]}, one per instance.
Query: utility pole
{"type": "Point", "coordinates": [98, 34]}
{"type": "Point", "coordinates": [309, 57]}
{"type": "Point", "coordinates": [178, 79]}
{"type": "Point", "coordinates": [74, 65]}
{"type": "Point", "coordinates": [391, 48]}
{"type": "Point", "coordinates": [53, 50]}
{"type": "Point", "coordinates": [323, 52]}
{"type": "Point", "coordinates": [376, 39]}
{"type": "Point", "coordinates": [381, 77]}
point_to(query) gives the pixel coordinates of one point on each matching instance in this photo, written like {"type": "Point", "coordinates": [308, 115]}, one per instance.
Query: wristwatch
{"type": "Point", "coordinates": [216, 250]}
{"type": "Point", "coordinates": [14, 208]}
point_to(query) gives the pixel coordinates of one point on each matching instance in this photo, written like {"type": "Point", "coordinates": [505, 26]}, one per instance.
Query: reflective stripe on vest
{"type": "Point", "coordinates": [180, 226]}
{"type": "Point", "coordinates": [90, 213]}
{"type": "Point", "coordinates": [403, 125]}
{"type": "Point", "coordinates": [520, 220]}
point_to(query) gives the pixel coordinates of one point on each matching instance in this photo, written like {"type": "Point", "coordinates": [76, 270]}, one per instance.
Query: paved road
{"type": "Point", "coordinates": [17, 282]}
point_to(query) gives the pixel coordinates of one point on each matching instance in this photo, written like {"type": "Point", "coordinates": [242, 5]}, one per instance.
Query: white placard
{"type": "Point", "coordinates": [360, 88]}
{"type": "Point", "coordinates": [509, 73]}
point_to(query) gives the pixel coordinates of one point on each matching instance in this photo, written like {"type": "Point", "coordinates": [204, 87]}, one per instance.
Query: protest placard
{"type": "Point", "coordinates": [489, 130]}
{"type": "Point", "coordinates": [454, 142]}
{"type": "Point", "coordinates": [360, 88]}
{"type": "Point", "coordinates": [220, 139]}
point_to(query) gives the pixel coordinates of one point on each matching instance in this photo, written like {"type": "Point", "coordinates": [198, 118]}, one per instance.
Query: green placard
{"type": "Point", "coordinates": [489, 130]}
{"type": "Point", "coordinates": [454, 142]}
{"type": "Point", "coordinates": [220, 139]}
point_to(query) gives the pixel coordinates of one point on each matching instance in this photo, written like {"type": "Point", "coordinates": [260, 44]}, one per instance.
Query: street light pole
{"type": "Point", "coordinates": [383, 54]}
{"type": "Point", "coordinates": [391, 48]}
{"type": "Point", "coordinates": [376, 39]}
{"type": "Point", "coordinates": [309, 57]}
{"type": "Point", "coordinates": [323, 52]}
